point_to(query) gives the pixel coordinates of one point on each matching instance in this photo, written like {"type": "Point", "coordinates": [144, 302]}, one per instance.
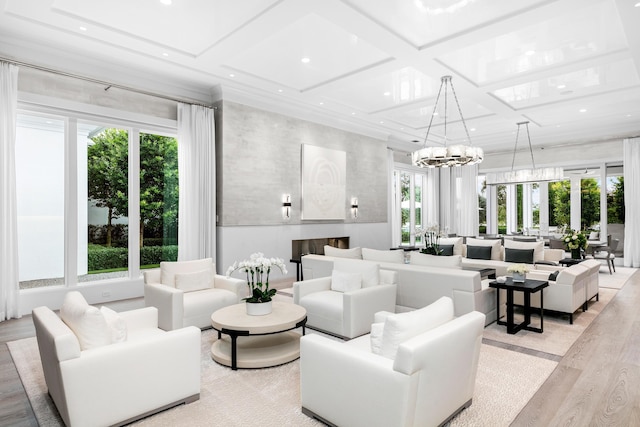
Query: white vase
{"type": "Point", "coordinates": [258, 308]}
{"type": "Point", "coordinates": [519, 277]}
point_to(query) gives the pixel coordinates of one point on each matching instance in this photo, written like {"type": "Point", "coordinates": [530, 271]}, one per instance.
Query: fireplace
{"type": "Point", "coordinates": [313, 246]}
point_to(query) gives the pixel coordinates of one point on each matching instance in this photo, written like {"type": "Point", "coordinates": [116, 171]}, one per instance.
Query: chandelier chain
{"type": "Point", "coordinates": [460, 112]}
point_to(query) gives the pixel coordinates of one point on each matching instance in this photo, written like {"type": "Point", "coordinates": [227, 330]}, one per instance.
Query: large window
{"type": "Point", "coordinates": [409, 207]}
{"type": "Point", "coordinates": [76, 200]}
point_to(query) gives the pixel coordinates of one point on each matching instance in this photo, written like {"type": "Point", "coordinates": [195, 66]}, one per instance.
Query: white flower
{"type": "Point", "coordinates": [518, 268]}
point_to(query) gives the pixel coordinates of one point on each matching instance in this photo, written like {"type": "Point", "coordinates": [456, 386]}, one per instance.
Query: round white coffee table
{"type": "Point", "coordinates": [257, 341]}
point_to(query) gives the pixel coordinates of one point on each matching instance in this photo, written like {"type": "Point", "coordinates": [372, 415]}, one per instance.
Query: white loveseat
{"type": "Point", "coordinates": [186, 293]}
{"type": "Point", "coordinates": [96, 382]}
{"type": "Point", "coordinates": [427, 378]}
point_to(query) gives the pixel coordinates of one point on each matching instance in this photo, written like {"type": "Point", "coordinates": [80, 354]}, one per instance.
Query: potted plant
{"type": "Point", "coordinates": [431, 239]}
{"type": "Point", "coordinates": [575, 241]}
{"type": "Point", "coordinates": [258, 268]}
{"type": "Point", "coordinates": [519, 272]}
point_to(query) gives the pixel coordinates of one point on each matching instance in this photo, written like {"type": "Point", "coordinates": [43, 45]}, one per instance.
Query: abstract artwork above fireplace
{"type": "Point", "coordinates": [323, 183]}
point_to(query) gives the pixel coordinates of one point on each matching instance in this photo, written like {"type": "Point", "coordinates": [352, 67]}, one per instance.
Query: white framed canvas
{"type": "Point", "coordinates": [323, 183]}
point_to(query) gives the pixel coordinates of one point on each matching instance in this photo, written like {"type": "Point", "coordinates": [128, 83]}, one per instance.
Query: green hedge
{"type": "Point", "coordinates": [103, 258]}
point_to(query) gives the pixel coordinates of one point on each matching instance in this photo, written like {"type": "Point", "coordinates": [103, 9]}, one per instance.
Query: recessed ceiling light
{"type": "Point", "coordinates": [561, 86]}
{"type": "Point", "coordinates": [83, 28]}
{"type": "Point", "coordinates": [305, 60]}
{"type": "Point", "coordinates": [166, 2]}
{"type": "Point", "coordinates": [387, 93]}
{"type": "Point", "coordinates": [165, 54]}
{"type": "Point", "coordinates": [381, 122]}
{"type": "Point", "coordinates": [435, 113]}
{"type": "Point", "coordinates": [637, 4]}
{"type": "Point", "coordinates": [280, 90]}
{"type": "Point", "coordinates": [232, 75]}
{"type": "Point", "coordinates": [583, 110]}
{"type": "Point", "coordinates": [472, 129]}
{"type": "Point", "coordinates": [530, 52]}
{"type": "Point", "coordinates": [321, 103]}
{"type": "Point", "coordinates": [353, 113]}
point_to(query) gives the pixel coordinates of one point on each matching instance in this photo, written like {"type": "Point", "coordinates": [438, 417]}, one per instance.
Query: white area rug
{"type": "Point", "coordinates": [234, 398]}
{"type": "Point", "coordinates": [616, 280]}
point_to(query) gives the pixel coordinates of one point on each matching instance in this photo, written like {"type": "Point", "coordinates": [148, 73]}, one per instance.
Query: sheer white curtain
{"type": "Point", "coordinates": [631, 148]}
{"type": "Point", "coordinates": [197, 175]}
{"type": "Point", "coordinates": [466, 201]}
{"type": "Point", "coordinates": [430, 202]}
{"type": "Point", "coordinates": [9, 281]}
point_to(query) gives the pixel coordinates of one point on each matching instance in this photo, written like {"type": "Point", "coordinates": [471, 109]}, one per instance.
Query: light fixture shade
{"type": "Point", "coordinates": [446, 156]}
{"type": "Point", "coordinates": [524, 176]}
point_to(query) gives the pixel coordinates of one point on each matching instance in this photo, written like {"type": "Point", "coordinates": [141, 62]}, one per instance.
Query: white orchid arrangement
{"type": "Point", "coordinates": [258, 268]}
{"type": "Point", "coordinates": [432, 236]}
{"type": "Point", "coordinates": [518, 268]}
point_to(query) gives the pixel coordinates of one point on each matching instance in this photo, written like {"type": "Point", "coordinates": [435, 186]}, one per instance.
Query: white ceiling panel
{"type": "Point", "coordinates": [584, 33]}
{"type": "Point", "coordinates": [279, 57]}
{"type": "Point", "coordinates": [422, 22]}
{"type": "Point", "coordinates": [589, 81]}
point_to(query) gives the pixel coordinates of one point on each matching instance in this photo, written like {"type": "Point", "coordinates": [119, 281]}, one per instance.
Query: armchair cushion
{"type": "Point", "coordinates": [355, 253]}
{"type": "Point", "coordinates": [342, 281]}
{"type": "Point", "coordinates": [195, 281]}
{"type": "Point", "coordinates": [396, 256]}
{"type": "Point", "coordinates": [169, 269]}
{"type": "Point", "coordinates": [369, 270]}
{"type": "Point", "coordinates": [399, 328]}
{"type": "Point", "coordinates": [87, 322]}
{"type": "Point", "coordinates": [116, 324]}
{"type": "Point", "coordinates": [453, 261]}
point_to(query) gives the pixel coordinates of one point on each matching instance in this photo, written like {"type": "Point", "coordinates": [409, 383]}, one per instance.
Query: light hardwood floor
{"type": "Point", "coordinates": [595, 384]}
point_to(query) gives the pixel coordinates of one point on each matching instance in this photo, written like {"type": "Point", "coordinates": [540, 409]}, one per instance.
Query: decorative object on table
{"type": "Point", "coordinates": [575, 242]}
{"type": "Point", "coordinates": [447, 155]}
{"type": "Point", "coordinates": [519, 272]}
{"type": "Point", "coordinates": [431, 236]}
{"type": "Point", "coordinates": [521, 176]}
{"type": "Point", "coordinates": [258, 268]}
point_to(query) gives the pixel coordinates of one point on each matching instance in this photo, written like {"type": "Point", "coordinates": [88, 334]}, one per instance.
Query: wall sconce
{"type": "Point", "coordinates": [354, 207]}
{"type": "Point", "coordinates": [286, 206]}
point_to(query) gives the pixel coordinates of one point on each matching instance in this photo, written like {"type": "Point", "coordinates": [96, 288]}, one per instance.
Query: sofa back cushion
{"type": "Point", "coordinates": [369, 270]}
{"type": "Point", "coordinates": [453, 261]}
{"type": "Point", "coordinates": [446, 250]}
{"type": "Point", "coordinates": [400, 327]}
{"type": "Point", "coordinates": [169, 269]}
{"type": "Point", "coordinates": [87, 322]}
{"type": "Point", "coordinates": [396, 256]}
{"type": "Point", "coordinates": [496, 247]}
{"type": "Point", "coordinates": [538, 248]}
{"type": "Point", "coordinates": [355, 253]}
{"type": "Point", "coordinates": [455, 241]}
{"type": "Point", "coordinates": [524, 256]}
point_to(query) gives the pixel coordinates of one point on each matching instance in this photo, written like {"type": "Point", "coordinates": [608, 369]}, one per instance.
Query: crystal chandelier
{"type": "Point", "coordinates": [447, 156]}
{"type": "Point", "coordinates": [522, 176]}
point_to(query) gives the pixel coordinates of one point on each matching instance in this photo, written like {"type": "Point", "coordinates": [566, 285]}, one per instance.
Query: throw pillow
{"type": "Point", "coordinates": [86, 322]}
{"type": "Point", "coordinates": [376, 337]}
{"type": "Point", "coordinates": [447, 250]}
{"type": "Point", "coordinates": [196, 281]}
{"type": "Point", "coordinates": [343, 281]}
{"type": "Point", "coordinates": [518, 255]}
{"type": "Point", "coordinates": [479, 252]}
{"type": "Point", "coordinates": [538, 248]}
{"type": "Point", "coordinates": [553, 276]}
{"type": "Point", "coordinates": [369, 271]}
{"type": "Point", "coordinates": [455, 241]}
{"type": "Point", "coordinates": [116, 324]}
{"type": "Point", "coordinates": [355, 253]}
{"type": "Point", "coordinates": [496, 247]}
{"type": "Point", "coordinates": [398, 328]}
{"type": "Point", "coordinates": [453, 261]}
{"type": "Point", "coordinates": [396, 256]}
{"type": "Point", "coordinates": [169, 269]}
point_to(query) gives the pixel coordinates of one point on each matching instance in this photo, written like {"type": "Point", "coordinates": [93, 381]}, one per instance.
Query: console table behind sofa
{"type": "Point", "coordinates": [419, 286]}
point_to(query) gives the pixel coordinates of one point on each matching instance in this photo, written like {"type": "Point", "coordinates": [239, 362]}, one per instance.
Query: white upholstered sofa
{"type": "Point", "coordinates": [415, 369]}
{"type": "Point", "coordinates": [421, 285]}
{"type": "Point", "coordinates": [344, 302]}
{"type": "Point", "coordinates": [104, 368]}
{"type": "Point", "coordinates": [186, 293]}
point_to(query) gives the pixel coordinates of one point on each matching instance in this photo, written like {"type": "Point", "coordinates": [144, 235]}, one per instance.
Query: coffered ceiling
{"type": "Point", "coordinates": [570, 67]}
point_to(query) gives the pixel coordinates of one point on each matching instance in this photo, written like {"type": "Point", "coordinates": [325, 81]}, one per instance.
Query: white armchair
{"type": "Point", "coordinates": [430, 379]}
{"type": "Point", "coordinates": [345, 303]}
{"type": "Point", "coordinates": [95, 379]}
{"type": "Point", "coordinates": [186, 293]}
